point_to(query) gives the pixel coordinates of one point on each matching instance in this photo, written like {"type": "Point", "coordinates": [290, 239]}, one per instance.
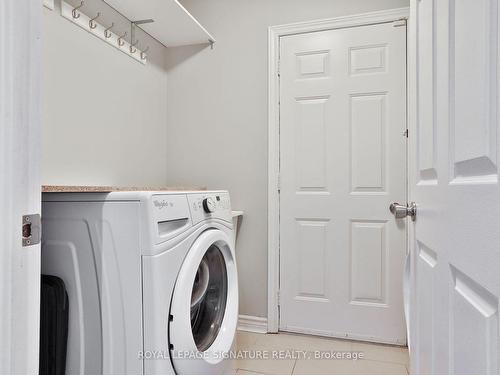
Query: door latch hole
{"type": "Point", "coordinates": [27, 230]}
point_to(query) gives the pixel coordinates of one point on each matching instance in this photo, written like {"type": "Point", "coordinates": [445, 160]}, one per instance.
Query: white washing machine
{"type": "Point", "coordinates": [151, 280]}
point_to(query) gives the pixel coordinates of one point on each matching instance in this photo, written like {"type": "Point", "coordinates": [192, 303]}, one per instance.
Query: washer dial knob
{"type": "Point", "coordinates": [209, 205]}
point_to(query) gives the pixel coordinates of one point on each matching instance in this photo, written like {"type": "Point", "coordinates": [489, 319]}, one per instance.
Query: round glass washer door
{"type": "Point", "coordinates": [204, 309]}
{"type": "Point", "coordinates": [208, 298]}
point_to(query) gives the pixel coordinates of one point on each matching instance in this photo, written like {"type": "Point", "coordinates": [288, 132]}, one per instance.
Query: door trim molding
{"type": "Point", "coordinates": [274, 35]}
{"type": "Point", "coordinates": [20, 187]}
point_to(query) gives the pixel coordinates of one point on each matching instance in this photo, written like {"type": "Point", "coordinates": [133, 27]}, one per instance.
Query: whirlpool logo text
{"type": "Point", "coordinates": [160, 204]}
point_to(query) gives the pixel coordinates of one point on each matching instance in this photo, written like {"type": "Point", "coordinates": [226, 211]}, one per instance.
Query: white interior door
{"type": "Point", "coordinates": [342, 162]}
{"type": "Point", "coordinates": [454, 154]}
{"type": "Point", "coordinates": [19, 184]}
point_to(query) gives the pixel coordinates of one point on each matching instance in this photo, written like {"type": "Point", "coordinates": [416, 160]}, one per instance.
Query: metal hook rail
{"type": "Point", "coordinates": [74, 12]}
{"type": "Point", "coordinates": [107, 31]}
{"type": "Point", "coordinates": [120, 40]}
{"type": "Point", "coordinates": [90, 24]}
{"type": "Point", "coordinates": [143, 53]}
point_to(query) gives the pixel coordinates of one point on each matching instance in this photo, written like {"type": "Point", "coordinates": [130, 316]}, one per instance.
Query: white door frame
{"type": "Point", "coordinates": [20, 190]}
{"type": "Point", "coordinates": [274, 35]}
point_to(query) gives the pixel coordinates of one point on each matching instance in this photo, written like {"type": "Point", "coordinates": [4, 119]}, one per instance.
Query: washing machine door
{"type": "Point", "coordinates": [204, 308]}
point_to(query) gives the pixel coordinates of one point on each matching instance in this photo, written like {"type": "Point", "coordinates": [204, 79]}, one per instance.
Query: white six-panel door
{"type": "Point", "coordinates": [342, 162]}
{"type": "Point", "coordinates": [454, 181]}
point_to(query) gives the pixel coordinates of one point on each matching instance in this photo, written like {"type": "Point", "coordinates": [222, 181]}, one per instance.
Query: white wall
{"type": "Point", "coordinates": [104, 114]}
{"type": "Point", "coordinates": [217, 117]}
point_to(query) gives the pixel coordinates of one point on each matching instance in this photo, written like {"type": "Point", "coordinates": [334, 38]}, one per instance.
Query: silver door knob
{"type": "Point", "coordinates": [400, 211]}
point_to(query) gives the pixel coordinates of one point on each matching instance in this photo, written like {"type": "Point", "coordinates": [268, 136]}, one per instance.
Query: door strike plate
{"type": "Point", "coordinates": [31, 230]}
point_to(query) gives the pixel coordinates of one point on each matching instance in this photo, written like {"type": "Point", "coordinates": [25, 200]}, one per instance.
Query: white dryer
{"type": "Point", "coordinates": [151, 280]}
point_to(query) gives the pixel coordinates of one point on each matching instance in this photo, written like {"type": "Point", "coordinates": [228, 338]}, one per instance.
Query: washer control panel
{"type": "Point", "coordinates": [208, 205]}
{"type": "Point", "coordinates": [170, 207]}
{"type": "Point", "coordinates": [171, 215]}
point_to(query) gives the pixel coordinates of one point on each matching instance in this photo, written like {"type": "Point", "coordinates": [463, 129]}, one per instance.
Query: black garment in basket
{"type": "Point", "coordinates": [54, 308]}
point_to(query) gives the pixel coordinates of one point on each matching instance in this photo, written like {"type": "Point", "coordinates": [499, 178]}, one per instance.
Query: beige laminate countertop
{"type": "Point", "coordinates": [109, 189]}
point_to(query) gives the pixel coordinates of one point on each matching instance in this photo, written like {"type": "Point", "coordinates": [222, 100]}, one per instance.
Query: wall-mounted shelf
{"type": "Point", "coordinates": [173, 25]}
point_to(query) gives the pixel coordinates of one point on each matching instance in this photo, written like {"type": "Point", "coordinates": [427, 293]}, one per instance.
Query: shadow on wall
{"type": "Point", "coordinates": [180, 54]}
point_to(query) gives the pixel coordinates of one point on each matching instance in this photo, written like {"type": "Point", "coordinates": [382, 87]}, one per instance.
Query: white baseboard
{"type": "Point", "coordinates": [254, 324]}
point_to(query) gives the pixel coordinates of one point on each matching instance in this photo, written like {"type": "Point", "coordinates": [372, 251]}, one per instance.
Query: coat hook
{"type": "Point", "coordinates": [120, 40]}
{"type": "Point", "coordinates": [132, 47]}
{"type": "Point", "coordinates": [74, 12]}
{"type": "Point", "coordinates": [107, 32]}
{"type": "Point", "coordinates": [212, 42]}
{"type": "Point", "coordinates": [143, 53]}
{"type": "Point", "coordinates": [92, 23]}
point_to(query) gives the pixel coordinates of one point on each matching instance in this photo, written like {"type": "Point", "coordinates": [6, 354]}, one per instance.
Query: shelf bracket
{"type": "Point", "coordinates": [141, 22]}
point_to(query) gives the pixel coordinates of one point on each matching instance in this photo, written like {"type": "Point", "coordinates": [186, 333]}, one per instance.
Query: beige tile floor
{"type": "Point", "coordinates": [378, 359]}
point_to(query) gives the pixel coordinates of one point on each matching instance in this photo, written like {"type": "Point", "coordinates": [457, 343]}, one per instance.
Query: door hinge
{"type": "Point", "coordinates": [400, 22]}
{"type": "Point", "coordinates": [278, 296]}
{"type": "Point", "coordinates": [279, 183]}
{"type": "Point", "coordinates": [405, 133]}
{"type": "Point", "coordinates": [31, 230]}
{"type": "Point", "coordinates": [279, 68]}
